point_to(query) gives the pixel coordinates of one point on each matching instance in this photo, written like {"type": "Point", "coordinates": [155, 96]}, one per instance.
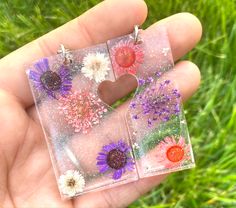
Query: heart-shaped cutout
{"type": "Point", "coordinates": [109, 92]}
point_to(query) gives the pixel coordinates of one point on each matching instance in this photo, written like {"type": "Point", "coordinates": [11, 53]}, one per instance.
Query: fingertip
{"type": "Point", "coordinates": [193, 24]}
{"type": "Point", "coordinates": [141, 11]}
{"type": "Point", "coordinates": [187, 77]}
{"type": "Point", "coordinates": [138, 8]}
{"type": "Point", "coordinates": [185, 31]}
{"type": "Point", "coordinates": [194, 70]}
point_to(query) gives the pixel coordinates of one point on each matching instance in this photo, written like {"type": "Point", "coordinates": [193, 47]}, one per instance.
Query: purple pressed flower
{"type": "Point", "coordinates": [115, 157]}
{"type": "Point", "coordinates": [156, 104]}
{"type": "Point", "coordinates": [158, 74]}
{"type": "Point", "coordinates": [52, 82]}
{"type": "Point", "coordinates": [141, 82]}
{"type": "Point", "coordinates": [150, 79]}
{"type": "Point", "coordinates": [132, 105]}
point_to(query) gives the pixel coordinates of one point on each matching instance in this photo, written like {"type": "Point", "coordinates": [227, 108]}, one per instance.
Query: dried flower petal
{"type": "Point", "coordinates": [96, 66]}
{"type": "Point", "coordinates": [126, 57]}
{"type": "Point", "coordinates": [115, 157]}
{"type": "Point", "coordinates": [82, 110]}
{"type": "Point", "coordinates": [71, 183]}
{"type": "Point", "coordinates": [51, 82]}
{"type": "Point", "coordinates": [171, 153]}
{"type": "Point", "coordinates": [156, 104]}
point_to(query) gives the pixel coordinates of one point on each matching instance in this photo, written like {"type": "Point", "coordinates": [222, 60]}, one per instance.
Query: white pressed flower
{"type": "Point", "coordinates": [71, 183]}
{"type": "Point", "coordinates": [96, 66]}
{"type": "Point", "coordinates": [136, 146]}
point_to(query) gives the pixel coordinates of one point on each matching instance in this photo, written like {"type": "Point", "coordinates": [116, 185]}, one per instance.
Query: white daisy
{"type": "Point", "coordinates": [96, 66]}
{"type": "Point", "coordinates": [71, 183]}
{"type": "Point", "coordinates": [136, 146]}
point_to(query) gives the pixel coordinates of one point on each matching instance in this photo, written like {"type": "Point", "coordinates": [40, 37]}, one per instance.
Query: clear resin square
{"type": "Point", "coordinates": [96, 138]}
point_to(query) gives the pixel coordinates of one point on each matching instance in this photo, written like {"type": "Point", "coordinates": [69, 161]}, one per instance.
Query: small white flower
{"type": "Point", "coordinates": [71, 183]}
{"type": "Point", "coordinates": [165, 51]}
{"type": "Point", "coordinates": [96, 66]}
{"type": "Point", "coordinates": [183, 122]}
{"type": "Point", "coordinates": [136, 146]}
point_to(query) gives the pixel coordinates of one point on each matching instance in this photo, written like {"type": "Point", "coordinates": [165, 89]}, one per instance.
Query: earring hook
{"type": "Point", "coordinates": [65, 54]}
{"type": "Point", "coordinates": [136, 36]}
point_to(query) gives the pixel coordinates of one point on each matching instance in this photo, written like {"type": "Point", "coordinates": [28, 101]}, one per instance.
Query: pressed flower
{"type": "Point", "coordinates": [171, 153]}
{"type": "Point", "coordinates": [82, 110]}
{"type": "Point", "coordinates": [115, 157]}
{"type": "Point", "coordinates": [156, 104]}
{"type": "Point", "coordinates": [49, 81]}
{"type": "Point", "coordinates": [136, 146]}
{"type": "Point", "coordinates": [126, 56]}
{"type": "Point", "coordinates": [96, 66]}
{"type": "Point", "coordinates": [71, 183]}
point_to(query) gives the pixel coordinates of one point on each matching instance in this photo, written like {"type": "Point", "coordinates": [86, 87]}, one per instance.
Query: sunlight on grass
{"type": "Point", "coordinates": [211, 113]}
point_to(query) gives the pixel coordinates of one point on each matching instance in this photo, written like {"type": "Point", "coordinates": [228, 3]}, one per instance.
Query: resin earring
{"type": "Point", "coordinates": [96, 145]}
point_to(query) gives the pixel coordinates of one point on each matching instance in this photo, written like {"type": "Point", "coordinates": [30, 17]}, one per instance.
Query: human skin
{"type": "Point", "coordinates": [26, 176]}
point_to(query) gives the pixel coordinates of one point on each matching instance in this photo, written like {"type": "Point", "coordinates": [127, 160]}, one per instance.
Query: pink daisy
{"type": "Point", "coordinates": [126, 57]}
{"type": "Point", "coordinates": [82, 110]}
{"type": "Point", "coordinates": [171, 153]}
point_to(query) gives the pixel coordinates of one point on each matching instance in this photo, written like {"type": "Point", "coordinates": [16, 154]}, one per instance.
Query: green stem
{"type": "Point", "coordinates": [170, 128]}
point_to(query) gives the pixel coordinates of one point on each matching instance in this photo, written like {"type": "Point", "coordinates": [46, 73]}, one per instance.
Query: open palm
{"type": "Point", "coordinates": [26, 176]}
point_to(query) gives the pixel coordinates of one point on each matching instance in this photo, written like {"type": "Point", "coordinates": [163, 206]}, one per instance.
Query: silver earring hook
{"type": "Point", "coordinates": [65, 53]}
{"type": "Point", "coordinates": [136, 36]}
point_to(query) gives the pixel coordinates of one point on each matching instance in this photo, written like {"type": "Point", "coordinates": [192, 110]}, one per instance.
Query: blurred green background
{"type": "Point", "coordinates": [211, 113]}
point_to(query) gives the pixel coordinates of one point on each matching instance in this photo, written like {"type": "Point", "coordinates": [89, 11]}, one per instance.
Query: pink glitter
{"type": "Point", "coordinates": [126, 57]}
{"type": "Point", "coordinates": [82, 110]}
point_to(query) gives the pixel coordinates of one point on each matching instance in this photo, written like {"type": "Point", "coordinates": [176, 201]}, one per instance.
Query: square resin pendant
{"type": "Point", "coordinates": [97, 140]}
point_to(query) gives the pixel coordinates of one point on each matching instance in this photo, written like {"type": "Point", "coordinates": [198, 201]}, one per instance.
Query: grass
{"type": "Point", "coordinates": [211, 113]}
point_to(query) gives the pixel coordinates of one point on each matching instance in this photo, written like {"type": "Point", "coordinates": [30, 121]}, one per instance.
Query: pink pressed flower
{"type": "Point", "coordinates": [126, 57]}
{"type": "Point", "coordinates": [172, 153]}
{"type": "Point", "coordinates": [82, 110]}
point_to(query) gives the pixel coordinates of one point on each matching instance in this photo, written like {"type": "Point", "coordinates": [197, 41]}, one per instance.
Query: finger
{"type": "Point", "coordinates": [120, 196]}
{"type": "Point", "coordinates": [186, 73]}
{"type": "Point", "coordinates": [106, 20]}
{"type": "Point", "coordinates": [187, 77]}
{"type": "Point", "coordinates": [181, 76]}
{"type": "Point", "coordinates": [127, 83]}
{"type": "Point", "coordinates": [184, 31]}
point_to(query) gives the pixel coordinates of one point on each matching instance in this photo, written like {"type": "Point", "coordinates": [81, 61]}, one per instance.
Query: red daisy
{"type": "Point", "coordinates": [82, 110]}
{"type": "Point", "coordinates": [126, 57]}
{"type": "Point", "coordinates": [171, 153]}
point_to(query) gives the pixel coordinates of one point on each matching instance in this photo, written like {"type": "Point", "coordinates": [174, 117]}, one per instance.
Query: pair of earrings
{"type": "Point", "coordinates": [94, 145]}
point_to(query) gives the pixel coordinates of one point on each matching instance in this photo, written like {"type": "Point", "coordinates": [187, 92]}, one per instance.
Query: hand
{"type": "Point", "coordinates": [26, 176]}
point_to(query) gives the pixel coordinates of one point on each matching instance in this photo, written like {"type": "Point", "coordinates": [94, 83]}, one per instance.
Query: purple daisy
{"type": "Point", "coordinates": [115, 157]}
{"type": "Point", "coordinates": [52, 82]}
{"type": "Point", "coordinates": [156, 104]}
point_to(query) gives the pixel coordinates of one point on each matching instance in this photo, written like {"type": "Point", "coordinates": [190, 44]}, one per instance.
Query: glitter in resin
{"type": "Point", "coordinates": [52, 82]}
{"type": "Point", "coordinates": [171, 153]}
{"type": "Point", "coordinates": [82, 110]}
{"type": "Point", "coordinates": [115, 157]}
{"type": "Point", "coordinates": [127, 56]}
{"type": "Point", "coordinates": [71, 183]}
{"type": "Point", "coordinates": [156, 103]}
{"type": "Point", "coordinates": [96, 66]}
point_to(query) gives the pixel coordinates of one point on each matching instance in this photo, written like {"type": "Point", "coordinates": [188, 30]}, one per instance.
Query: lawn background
{"type": "Point", "coordinates": [211, 113]}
